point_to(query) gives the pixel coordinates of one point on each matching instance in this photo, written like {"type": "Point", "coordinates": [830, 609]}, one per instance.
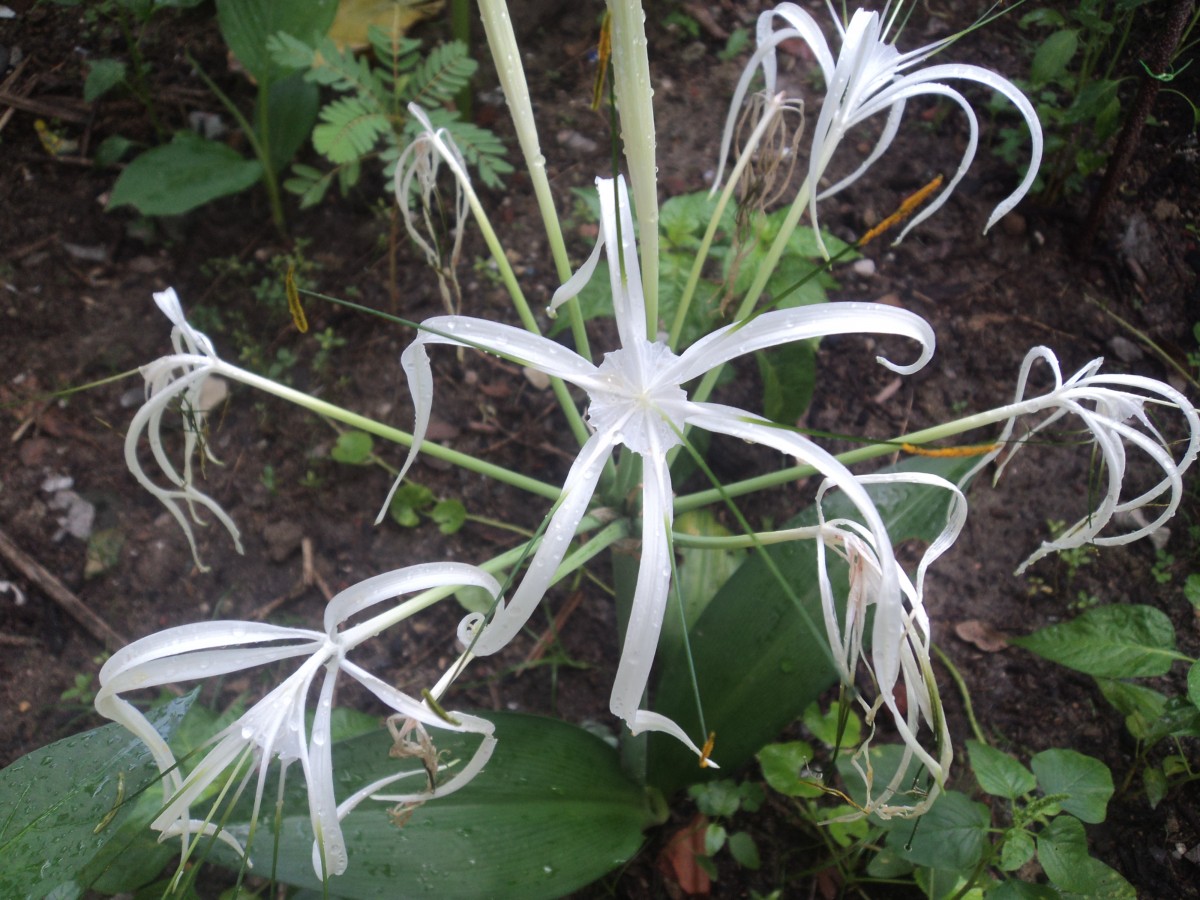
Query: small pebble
{"type": "Point", "coordinates": [864, 268]}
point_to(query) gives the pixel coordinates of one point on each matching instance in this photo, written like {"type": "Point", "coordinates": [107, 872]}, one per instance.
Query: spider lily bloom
{"type": "Point", "coordinates": [869, 76]}
{"type": "Point", "coordinates": [275, 725]}
{"type": "Point", "coordinates": [900, 635]}
{"type": "Point", "coordinates": [179, 376]}
{"type": "Point", "coordinates": [1114, 409]}
{"type": "Point", "coordinates": [636, 399]}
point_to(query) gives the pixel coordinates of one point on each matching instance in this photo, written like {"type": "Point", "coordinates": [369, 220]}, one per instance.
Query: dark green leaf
{"type": "Point", "coordinates": [1063, 853]}
{"type": "Point", "coordinates": [1109, 641]}
{"type": "Point", "coordinates": [1053, 56]}
{"type": "Point", "coordinates": [1018, 849]}
{"type": "Point", "coordinates": [1022, 890]}
{"type": "Point", "coordinates": [998, 773]}
{"type": "Point", "coordinates": [1193, 683]}
{"type": "Point", "coordinates": [1141, 706]}
{"type": "Point", "coordinates": [291, 112]}
{"type": "Point", "coordinates": [701, 572]}
{"type": "Point", "coordinates": [449, 516]}
{"type": "Point", "coordinates": [550, 813]}
{"type": "Point", "coordinates": [186, 173]}
{"type": "Point", "coordinates": [1155, 783]}
{"type": "Point", "coordinates": [247, 24]}
{"type": "Point", "coordinates": [824, 725]}
{"type": "Point", "coordinates": [744, 850]}
{"type": "Point", "coordinates": [1086, 780]}
{"type": "Point", "coordinates": [62, 829]}
{"type": "Point", "coordinates": [111, 149]}
{"type": "Point", "coordinates": [102, 77]}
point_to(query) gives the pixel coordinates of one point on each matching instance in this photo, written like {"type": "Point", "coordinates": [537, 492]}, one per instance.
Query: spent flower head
{"type": "Point", "coordinates": [275, 726]}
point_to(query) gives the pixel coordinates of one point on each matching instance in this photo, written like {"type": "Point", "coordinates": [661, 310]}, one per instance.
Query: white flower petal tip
{"type": "Point", "coordinates": [1117, 411]}
{"type": "Point", "coordinates": [868, 77]}
{"type": "Point", "coordinates": [181, 378]}
{"type": "Point", "coordinates": [276, 726]}
{"type": "Point", "coordinates": [637, 399]}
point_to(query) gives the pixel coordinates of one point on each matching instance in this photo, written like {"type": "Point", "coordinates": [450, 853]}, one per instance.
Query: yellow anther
{"type": "Point", "coordinates": [906, 209]}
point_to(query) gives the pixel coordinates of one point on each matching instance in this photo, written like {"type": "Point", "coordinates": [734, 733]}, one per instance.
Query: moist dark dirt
{"type": "Point", "coordinates": [76, 308]}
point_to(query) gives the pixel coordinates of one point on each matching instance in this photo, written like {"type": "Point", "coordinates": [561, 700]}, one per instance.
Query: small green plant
{"type": "Point", "coordinates": [82, 692]}
{"type": "Point", "coordinates": [719, 802]}
{"type": "Point", "coordinates": [193, 169]}
{"type": "Point", "coordinates": [369, 117]}
{"type": "Point", "coordinates": [1117, 644]}
{"type": "Point", "coordinates": [1074, 558]}
{"type": "Point", "coordinates": [1162, 569]}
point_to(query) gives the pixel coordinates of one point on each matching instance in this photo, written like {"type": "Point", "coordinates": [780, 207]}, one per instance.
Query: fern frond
{"type": "Point", "coordinates": [441, 75]}
{"type": "Point", "coordinates": [394, 52]}
{"type": "Point", "coordinates": [343, 71]}
{"type": "Point", "coordinates": [289, 52]}
{"type": "Point", "coordinates": [309, 183]}
{"type": "Point", "coordinates": [348, 130]}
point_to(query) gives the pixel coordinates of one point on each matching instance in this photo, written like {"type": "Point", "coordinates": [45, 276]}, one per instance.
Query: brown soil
{"type": "Point", "coordinates": [76, 306]}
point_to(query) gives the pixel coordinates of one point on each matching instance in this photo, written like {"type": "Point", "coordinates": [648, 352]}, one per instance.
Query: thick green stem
{"type": "Point", "coordinates": [631, 81]}
{"type": "Point", "coordinates": [506, 55]}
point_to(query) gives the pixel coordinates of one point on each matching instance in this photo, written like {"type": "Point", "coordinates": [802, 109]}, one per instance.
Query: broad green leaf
{"type": "Point", "coordinates": [1063, 853]}
{"type": "Point", "coordinates": [998, 773]}
{"type": "Point", "coordinates": [744, 850]}
{"type": "Point", "coordinates": [247, 24]}
{"type": "Point", "coordinates": [111, 150]}
{"type": "Point", "coordinates": [1191, 587]}
{"type": "Point", "coordinates": [1104, 883]}
{"type": "Point", "coordinates": [353, 448]}
{"type": "Point", "coordinates": [1053, 56]}
{"type": "Point", "coordinates": [1193, 682]}
{"type": "Point", "coordinates": [550, 813]}
{"type": "Point", "coordinates": [291, 112]}
{"type": "Point", "coordinates": [719, 799]}
{"type": "Point", "coordinates": [186, 173]}
{"type": "Point", "coordinates": [1141, 706]}
{"type": "Point", "coordinates": [102, 77]}
{"type": "Point", "coordinates": [1018, 849]}
{"type": "Point", "coordinates": [714, 838]}
{"type": "Point", "coordinates": [950, 837]}
{"type": "Point", "coordinates": [62, 829]}
{"type": "Point", "coordinates": [1180, 718]}
{"type": "Point", "coordinates": [1086, 780]}
{"type": "Point", "coordinates": [760, 660]}
{"type": "Point", "coordinates": [1134, 641]}
{"type": "Point", "coordinates": [785, 766]}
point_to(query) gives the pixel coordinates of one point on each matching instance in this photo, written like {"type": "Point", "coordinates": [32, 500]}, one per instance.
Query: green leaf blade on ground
{"type": "Point", "coordinates": [62, 830]}
{"type": "Point", "coordinates": [1133, 641]}
{"type": "Point", "coordinates": [179, 176]}
{"type": "Point", "coordinates": [950, 837]}
{"type": "Point", "coordinates": [550, 813]}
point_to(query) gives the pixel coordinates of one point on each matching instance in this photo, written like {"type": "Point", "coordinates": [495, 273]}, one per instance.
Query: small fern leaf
{"type": "Point", "coordinates": [289, 52]}
{"type": "Point", "coordinates": [483, 151]}
{"type": "Point", "coordinates": [394, 52]}
{"type": "Point", "coordinates": [442, 74]}
{"type": "Point", "coordinates": [309, 183]}
{"type": "Point", "coordinates": [348, 130]}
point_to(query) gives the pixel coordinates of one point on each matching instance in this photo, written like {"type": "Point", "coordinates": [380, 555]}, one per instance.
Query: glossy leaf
{"type": "Point", "coordinates": [246, 25]}
{"type": "Point", "coordinates": [550, 813]}
{"type": "Point", "coordinates": [63, 830]}
{"type": "Point", "coordinates": [1109, 642]}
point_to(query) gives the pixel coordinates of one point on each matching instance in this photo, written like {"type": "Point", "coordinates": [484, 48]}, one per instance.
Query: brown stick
{"type": "Point", "coordinates": [57, 591]}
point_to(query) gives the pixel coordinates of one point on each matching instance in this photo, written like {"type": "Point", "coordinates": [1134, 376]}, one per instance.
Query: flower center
{"type": "Point", "coordinates": [644, 413]}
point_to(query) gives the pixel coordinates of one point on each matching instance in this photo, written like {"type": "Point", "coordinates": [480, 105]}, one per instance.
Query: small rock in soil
{"type": "Point", "coordinates": [1125, 349]}
{"type": "Point", "coordinates": [283, 539]}
{"type": "Point", "coordinates": [159, 563]}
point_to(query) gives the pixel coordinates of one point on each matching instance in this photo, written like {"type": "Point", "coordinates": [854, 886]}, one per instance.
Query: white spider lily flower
{"type": "Point", "coordinates": [900, 637]}
{"type": "Point", "coordinates": [869, 76]}
{"type": "Point", "coordinates": [181, 377]}
{"type": "Point", "coordinates": [275, 725]}
{"type": "Point", "coordinates": [1114, 409]}
{"type": "Point", "coordinates": [636, 399]}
